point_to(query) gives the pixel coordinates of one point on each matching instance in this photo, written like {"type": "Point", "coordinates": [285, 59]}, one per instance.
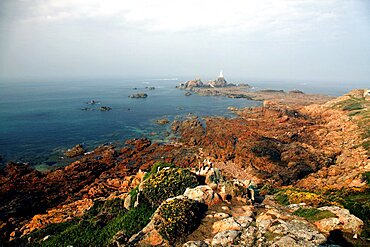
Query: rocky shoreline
{"type": "Point", "coordinates": [297, 141]}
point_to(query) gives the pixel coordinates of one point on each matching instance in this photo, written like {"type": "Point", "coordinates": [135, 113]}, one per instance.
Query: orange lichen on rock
{"type": "Point", "coordinates": [58, 215]}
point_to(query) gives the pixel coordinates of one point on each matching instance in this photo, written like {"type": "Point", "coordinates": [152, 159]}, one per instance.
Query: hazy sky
{"type": "Point", "coordinates": [319, 40]}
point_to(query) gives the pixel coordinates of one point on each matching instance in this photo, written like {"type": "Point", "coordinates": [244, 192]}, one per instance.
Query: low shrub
{"type": "Point", "coordinates": [178, 218]}
{"type": "Point", "coordinates": [156, 167]}
{"type": "Point", "coordinates": [282, 198]}
{"type": "Point", "coordinates": [167, 183]}
{"type": "Point", "coordinates": [291, 196]}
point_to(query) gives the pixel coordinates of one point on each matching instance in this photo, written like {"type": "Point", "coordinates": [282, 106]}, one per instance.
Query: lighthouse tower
{"type": "Point", "coordinates": [221, 75]}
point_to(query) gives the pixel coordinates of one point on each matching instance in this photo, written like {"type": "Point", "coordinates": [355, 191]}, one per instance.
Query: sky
{"type": "Point", "coordinates": [307, 40]}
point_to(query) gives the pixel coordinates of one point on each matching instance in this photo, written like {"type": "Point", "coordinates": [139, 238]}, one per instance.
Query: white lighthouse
{"type": "Point", "coordinates": [221, 75]}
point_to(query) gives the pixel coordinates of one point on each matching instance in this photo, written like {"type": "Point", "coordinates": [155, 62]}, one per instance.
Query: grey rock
{"type": "Point", "coordinates": [195, 244]}
{"type": "Point", "coordinates": [225, 238]}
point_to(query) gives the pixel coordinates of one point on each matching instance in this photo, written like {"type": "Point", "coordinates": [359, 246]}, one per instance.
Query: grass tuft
{"type": "Point", "coordinates": [314, 214]}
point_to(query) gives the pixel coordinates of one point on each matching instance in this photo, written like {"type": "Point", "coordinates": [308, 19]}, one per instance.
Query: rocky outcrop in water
{"type": "Point", "coordinates": [75, 151]}
{"type": "Point", "coordinates": [219, 82]}
{"type": "Point", "coordinates": [162, 121]}
{"type": "Point", "coordinates": [138, 96]}
{"type": "Point", "coordinates": [191, 84]}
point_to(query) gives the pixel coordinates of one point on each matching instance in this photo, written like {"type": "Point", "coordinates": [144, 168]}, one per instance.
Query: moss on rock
{"type": "Point", "coordinates": [313, 214]}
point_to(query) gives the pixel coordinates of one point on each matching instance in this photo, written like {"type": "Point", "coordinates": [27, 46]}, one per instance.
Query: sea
{"type": "Point", "coordinates": [39, 120]}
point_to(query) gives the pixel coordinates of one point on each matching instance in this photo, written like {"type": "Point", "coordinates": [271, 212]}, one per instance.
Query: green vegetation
{"type": "Point", "coordinates": [133, 193]}
{"type": "Point", "coordinates": [97, 227]}
{"type": "Point", "coordinates": [51, 229]}
{"type": "Point", "coordinates": [313, 214]}
{"type": "Point", "coordinates": [158, 166]}
{"type": "Point", "coordinates": [104, 219]}
{"type": "Point", "coordinates": [167, 183]}
{"type": "Point", "coordinates": [357, 202]}
{"type": "Point", "coordinates": [133, 221]}
{"type": "Point", "coordinates": [358, 107]}
{"type": "Point", "coordinates": [295, 196]}
{"type": "Point", "coordinates": [104, 210]}
{"type": "Point", "coordinates": [178, 218]}
{"type": "Point", "coordinates": [282, 198]}
{"type": "Point", "coordinates": [351, 104]}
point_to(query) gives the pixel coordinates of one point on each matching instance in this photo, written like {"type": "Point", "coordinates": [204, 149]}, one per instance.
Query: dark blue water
{"type": "Point", "coordinates": [38, 120]}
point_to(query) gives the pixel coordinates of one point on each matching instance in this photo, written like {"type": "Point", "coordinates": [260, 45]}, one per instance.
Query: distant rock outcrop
{"type": "Point", "coordinates": [219, 82]}
{"type": "Point", "coordinates": [191, 83]}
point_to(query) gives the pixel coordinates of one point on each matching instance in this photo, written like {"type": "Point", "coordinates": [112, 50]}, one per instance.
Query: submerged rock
{"type": "Point", "coordinates": [92, 102]}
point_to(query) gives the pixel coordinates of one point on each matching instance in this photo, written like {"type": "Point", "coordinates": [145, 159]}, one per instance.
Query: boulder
{"type": "Point", "coordinates": [286, 241]}
{"type": "Point", "coordinates": [175, 218]}
{"type": "Point", "coordinates": [225, 238]}
{"type": "Point", "coordinates": [203, 194]}
{"type": "Point", "coordinates": [345, 221]}
{"type": "Point", "coordinates": [213, 178]}
{"type": "Point", "coordinates": [244, 221]}
{"type": "Point", "coordinates": [248, 237]}
{"type": "Point", "coordinates": [195, 244]}
{"type": "Point", "coordinates": [225, 225]}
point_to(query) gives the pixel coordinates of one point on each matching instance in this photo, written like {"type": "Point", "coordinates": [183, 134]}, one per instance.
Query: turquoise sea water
{"type": "Point", "coordinates": [41, 119]}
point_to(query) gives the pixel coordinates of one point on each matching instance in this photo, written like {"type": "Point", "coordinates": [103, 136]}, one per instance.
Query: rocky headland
{"type": "Point", "coordinates": [294, 172]}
